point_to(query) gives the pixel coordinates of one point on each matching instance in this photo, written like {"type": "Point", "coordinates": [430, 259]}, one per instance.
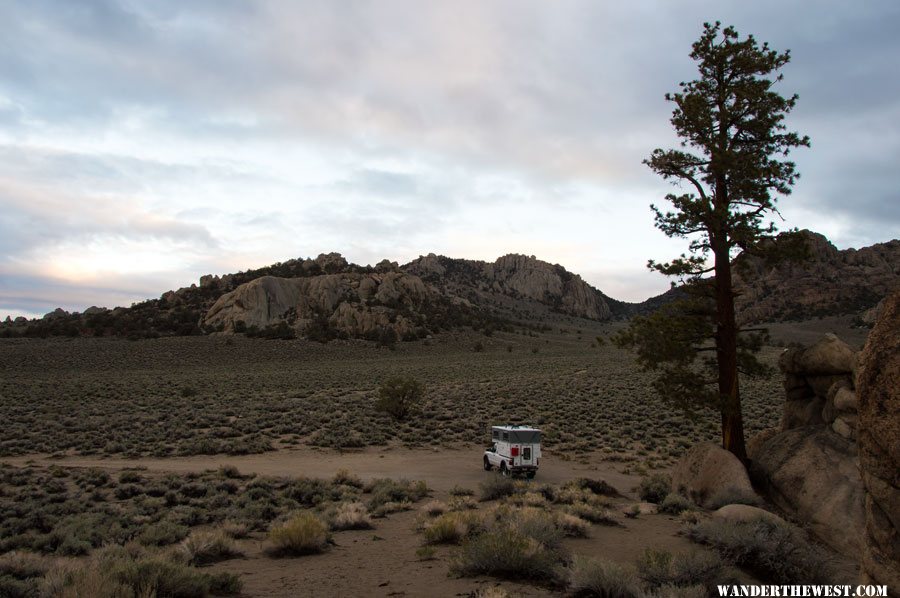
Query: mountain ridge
{"type": "Point", "coordinates": [329, 297]}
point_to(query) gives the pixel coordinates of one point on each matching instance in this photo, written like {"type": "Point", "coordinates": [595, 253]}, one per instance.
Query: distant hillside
{"type": "Point", "coordinates": [328, 297]}
{"type": "Point", "coordinates": [832, 282]}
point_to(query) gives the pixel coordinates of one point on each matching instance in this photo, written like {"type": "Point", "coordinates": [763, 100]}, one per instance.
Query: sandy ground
{"type": "Point", "coordinates": [383, 561]}
{"type": "Point", "coordinates": [441, 468]}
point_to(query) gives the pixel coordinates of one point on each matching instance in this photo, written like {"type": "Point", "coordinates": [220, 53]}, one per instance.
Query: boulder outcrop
{"type": "Point", "coordinates": [513, 276]}
{"type": "Point", "coordinates": [809, 468]}
{"type": "Point", "coordinates": [831, 281]}
{"type": "Point", "coordinates": [878, 406]}
{"type": "Point", "coordinates": [711, 477]}
{"type": "Point", "coordinates": [353, 303]}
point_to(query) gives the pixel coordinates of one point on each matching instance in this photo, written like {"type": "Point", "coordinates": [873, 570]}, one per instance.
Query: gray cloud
{"type": "Point", "coordinates": [424, 114]}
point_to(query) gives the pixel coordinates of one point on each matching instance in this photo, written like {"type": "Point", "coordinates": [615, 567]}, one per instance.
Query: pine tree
{"type": "Point", "coordinates": [733, 163]}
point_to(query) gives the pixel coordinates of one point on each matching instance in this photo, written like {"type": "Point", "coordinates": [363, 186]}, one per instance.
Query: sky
{"type": "Point", "coordinates": [146, 143]}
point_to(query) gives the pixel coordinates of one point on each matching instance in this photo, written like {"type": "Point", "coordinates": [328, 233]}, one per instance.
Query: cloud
{"type": "Point", "coordinates": [228, 134]}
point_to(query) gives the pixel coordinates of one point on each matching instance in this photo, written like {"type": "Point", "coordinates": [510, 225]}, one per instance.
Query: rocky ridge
{"type": "Point", "coordinates": [830, 282]}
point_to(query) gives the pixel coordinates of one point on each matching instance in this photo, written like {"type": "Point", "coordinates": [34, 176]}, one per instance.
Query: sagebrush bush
{"type": "Point", "coordinates": [162, 533]}
{"type": "Point", "coordinates": [675, 504]}
{"type": "Point", "coordinates": [505, 552]}
{"type": "Point", "coordinates": [22, 565]}
{"type": "Point", "coordinates": [434, 508]}
{"type": "Point", "coordinates": [660, 568]}
{"type": "Point", "coordinates": [497, 486]}
{"type": "Point", "coordinates": [573, 526]}
{"type": "Point", "coordinates": [776, 551]}
{"type": "Point", "coordinates": [602, 578]}
{"type": "Point", "coordinates": [449, 528]}
{"type": "Point", "coordinates": [303, 533]}
{"type": "Point", "coordinates": [129, 571]}
{"type": "Point", "coordinates": [385, 490]}
{"type": "Point", "coordinates": [204, 547]}
{"type": "Point", "coordinates": [349, 515]}
{"type": "Point", "coordinates": [592, 513]}
{"type": "Point", "coordinates": [654, 488]}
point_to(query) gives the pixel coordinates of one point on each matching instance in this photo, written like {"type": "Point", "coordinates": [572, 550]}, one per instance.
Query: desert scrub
{"type": "Point", "coordinates": [348, 515]}
{"type": "Point", "coordinates": [303, 533]}
{"type": "Point", "coordinates": [654, 488]}
{"type": "Point", "coordinates": [125, 571]}
{"type": "Point", "coordinates": [660, 568]}
{"type": "Point", "coordinates": [573, 526]}
{"type": "Point", "coordinates": [675, 504]}
{"type": "Point", "coordinates": [774, 551]}
{"type": "Point", "coordinates": [602, 578]}
{"type": "Point", "coordinates": [205, 547]}
{"type": "Point", "coordinates": [400, 396]}
{"type": "Point", "coordinates": [592, 513]}
{"type": "Point", "coordinates": [434, 508]}
{"type": "Point", "coordinates": [497, 486]}
{"type": "Point", "coordinates": [385, 490]}
{"type": "Point", "coordinates": [162, 533]}
{"type": "Point", "coordinates": [505, 552]}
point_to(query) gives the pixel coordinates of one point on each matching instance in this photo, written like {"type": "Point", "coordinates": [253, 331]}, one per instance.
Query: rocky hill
{"type": "Point", "coordinates": [328, 297]}
{"type": "Point", "coordinates": [830, 282]}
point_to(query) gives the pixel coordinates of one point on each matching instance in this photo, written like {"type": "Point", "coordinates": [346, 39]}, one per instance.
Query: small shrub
{"type": "Point", "coordinates": [385, 490]}
{"type": "Point", "coordinates": [202, 548]}
{"type": "Point", "coordinates": [775, 551]}
{"type": "Point", "coordinates": [595, 486]}
{"type": "Point", "coordinates": [399, 396]}
{"type": "Point", "coordinates": [344, 478]}
{"type": "Point", "coordinates": [162, 533]}
{"type": "Point", "coordinates": [592, 513]}
{"type": "Point", "coordinates": [660, 568]}
{"type": "Point", "coordinates": [573, 526]}
{"type": "Point", "coordinates": [230, 471]}
{"type": "Point", "coordinates": [633, 512]}
{"type": "Point", "coordinates": [22, 565]}
{"type": "Point", "coordinates": [434, 508]}
{"type": "Point", "coordinates": [235, 529]}
{"type": "Point", "coordinates": [675, 504]}
{"type": "Point", "coordinates": [462, 503]}
{"type": "Point", "coordinates": [497, 487]}
{"type": "Point", "coordinates": [506, 553]}
{"type": "Point", "coordinates": [449, 528]}
{"type": "Point", "coordinates": [654, 488]}
{"type": "Point", "coordinates": [349, 515]}
{"type": "Point", "coordinates": [602, 578]}
{"type": "Point", "coordinates": [304, 533]}
{"type": "Point", "coordinates": [460, 491]}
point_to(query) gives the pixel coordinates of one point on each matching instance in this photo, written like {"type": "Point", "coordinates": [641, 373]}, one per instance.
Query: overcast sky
{"type": "Point", "coordinates": [143, 144]}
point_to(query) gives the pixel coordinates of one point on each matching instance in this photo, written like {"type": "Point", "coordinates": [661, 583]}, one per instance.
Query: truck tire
{"type": "Point", "coordinates": [503, 469]}
{"type": "Point", "coordinates": [487, 464]}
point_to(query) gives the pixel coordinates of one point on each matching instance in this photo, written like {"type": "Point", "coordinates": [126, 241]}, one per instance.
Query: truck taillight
{"type": "Point", "coordinates": [514, 451]}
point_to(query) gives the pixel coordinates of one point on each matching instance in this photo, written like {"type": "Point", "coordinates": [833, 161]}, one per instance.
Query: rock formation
{"type": "Point", "coordinates": [832, 281]}
{"type": "Point", "coordinates": [809, 468]}
{"type": "Point", "coordinates": [878, 390]}
{"type": "Point", "coordinates": [356, 304]}
{"type": "Point", "coordinates": [711, 477]}
{"type": "Point", "coordinates": [513, 276]}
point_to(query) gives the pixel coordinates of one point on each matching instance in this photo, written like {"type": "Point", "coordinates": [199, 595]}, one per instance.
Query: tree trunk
{"type": "Point", "coordinates": [726, 352]}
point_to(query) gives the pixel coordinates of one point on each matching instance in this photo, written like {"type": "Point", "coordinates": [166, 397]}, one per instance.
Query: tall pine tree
{"type": "Point", "coordinates": [732, 164]}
